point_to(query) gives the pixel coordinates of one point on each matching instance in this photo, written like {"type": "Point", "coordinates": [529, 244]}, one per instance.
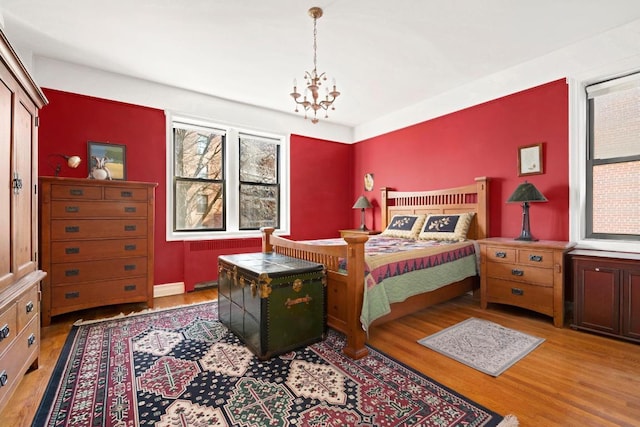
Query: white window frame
{"type": "Point", "coordinates": [232, 184]}
{"type": "Point", "coordinates": [578, 144]}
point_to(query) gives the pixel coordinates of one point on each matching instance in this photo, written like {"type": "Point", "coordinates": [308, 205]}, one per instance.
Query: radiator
{"type": "Point", "coordinates": [201, 258]}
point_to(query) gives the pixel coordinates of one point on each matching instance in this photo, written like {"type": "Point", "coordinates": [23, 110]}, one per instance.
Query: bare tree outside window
{"type": "Point", "coordinates": [198, 176]}
{"type": "Point", "coordinates": [259, 183]}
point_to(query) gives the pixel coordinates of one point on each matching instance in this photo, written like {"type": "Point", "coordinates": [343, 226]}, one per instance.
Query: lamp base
{"type": "Point", "coordinates": [363, 228]}
{"type": "Point", "coordinates": [526, 239]}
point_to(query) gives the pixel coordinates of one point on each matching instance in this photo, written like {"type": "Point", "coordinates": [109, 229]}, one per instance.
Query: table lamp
{"type": "Point", "coordinates": [526, 193]}
{"type": "Point", "coordinates": [362, 203]}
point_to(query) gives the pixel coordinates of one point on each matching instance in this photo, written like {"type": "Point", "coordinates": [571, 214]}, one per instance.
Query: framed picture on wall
{"type": "Point", "coordinates": [106, 160]}
{"type": "Point", "coordinates": [530, 160]}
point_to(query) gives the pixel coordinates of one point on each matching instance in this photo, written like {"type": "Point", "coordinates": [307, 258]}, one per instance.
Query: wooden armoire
{"type": "Point", "coordinates": [20, 99]}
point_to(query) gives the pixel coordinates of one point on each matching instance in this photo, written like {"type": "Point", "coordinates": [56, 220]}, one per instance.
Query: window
{"type": "Point", "coordinates": [613, 159]}
{"type": "Point", "coordinates": [224, 182]}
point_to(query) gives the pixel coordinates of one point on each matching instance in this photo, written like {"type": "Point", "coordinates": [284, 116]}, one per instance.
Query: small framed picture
{"type": "Point", "coordinates": [530, 160]}
{"type": "Point", "coordinates": [368, 181]}
{"type": "Point", "coordinates": [106, 160]}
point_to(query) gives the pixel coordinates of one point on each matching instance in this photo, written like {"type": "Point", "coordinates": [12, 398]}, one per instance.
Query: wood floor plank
{"type": "Point", "coordinates": [572, 379]}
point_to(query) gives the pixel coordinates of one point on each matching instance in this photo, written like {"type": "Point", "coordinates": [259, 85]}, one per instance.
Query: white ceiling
{"type": "Point", "coordinates": [385, 55]}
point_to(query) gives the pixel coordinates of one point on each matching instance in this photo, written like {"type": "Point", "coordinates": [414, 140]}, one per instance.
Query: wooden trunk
{"type": "Point", "coordinates": [274, 303]}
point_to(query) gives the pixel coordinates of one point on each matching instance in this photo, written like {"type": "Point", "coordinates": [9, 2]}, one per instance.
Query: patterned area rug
{"type": "Point", "coordinates": [483, 345]}
{"type": "Point", "coordinates": [181, 367]}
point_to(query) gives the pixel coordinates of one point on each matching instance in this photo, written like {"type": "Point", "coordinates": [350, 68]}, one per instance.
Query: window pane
{"type": "Point", "coordinates": [259, 206]}
{"type": "Point", "coordinates": [198, 205]}
{"type": "Point", "coordinates": [258, 161]}
{"type": "Point", "coordinates": [616, 124]}
{"type": "Point", "coordinates": [198, 153]}
{"type": "Point", "coordinates": [616, 198]}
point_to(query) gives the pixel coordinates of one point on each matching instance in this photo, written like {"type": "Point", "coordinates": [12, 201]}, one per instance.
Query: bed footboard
{"type": "Point", "coordinates": [345, 289]}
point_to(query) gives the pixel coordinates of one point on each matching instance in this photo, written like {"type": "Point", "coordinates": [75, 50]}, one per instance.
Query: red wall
{"type": "Point", "coordinates": [321, 173]}
{"type": "Point", "coordinates": [327, 177]}
{"type": "Point", "coordinates": [483, 140]}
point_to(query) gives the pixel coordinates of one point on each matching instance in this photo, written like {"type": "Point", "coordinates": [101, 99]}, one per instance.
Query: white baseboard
{"type": "Point", "coordinates": [167, 289]}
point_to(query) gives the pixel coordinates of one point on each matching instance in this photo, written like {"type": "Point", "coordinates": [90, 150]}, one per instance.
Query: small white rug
{"type": "Point", "coordinates": [482, 345]}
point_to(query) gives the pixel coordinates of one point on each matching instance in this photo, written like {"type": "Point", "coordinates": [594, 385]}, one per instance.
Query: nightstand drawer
{"type": "Point", "coordinates": [520, 273]}
{"type": "Point", "coordinates": [537, 258]}
{"type": "Point", "coordinates": [537, 298]}
{"type": "Point", "coordinates": [501, 254]}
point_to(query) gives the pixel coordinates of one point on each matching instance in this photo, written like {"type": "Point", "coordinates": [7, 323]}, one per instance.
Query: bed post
{"type": "Point", "coordinates": [384, 211]}
{"type": "Point", "coordinates": [356, 336]}
{"type": "Point", "coordinates": [482, 184]}
{"type": "Point", "coordinates": [267, 247]}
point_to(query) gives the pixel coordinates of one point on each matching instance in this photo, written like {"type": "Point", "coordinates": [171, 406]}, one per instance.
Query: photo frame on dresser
{"type": "Point", "coordinates": [106, 160]}
{"type": "Point", "coordinates": [530, 160]}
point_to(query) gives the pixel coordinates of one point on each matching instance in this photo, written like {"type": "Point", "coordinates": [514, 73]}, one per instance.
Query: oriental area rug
{"type": "Point", "coordinates": [482, 345]}
{"type": "Point", "coordinates": [181, 367]}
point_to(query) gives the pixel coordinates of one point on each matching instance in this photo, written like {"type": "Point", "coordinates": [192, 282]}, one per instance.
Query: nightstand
{"type": "Point", "coordinates": [358, 231]}
{"type": "Point", "coordinates": [524, 274]}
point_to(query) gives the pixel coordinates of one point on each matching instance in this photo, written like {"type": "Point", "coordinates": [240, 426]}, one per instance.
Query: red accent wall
{"type": "Point", "coordinates": [482, 140]}
{"type": "Point", "coordinates": [321, 175]}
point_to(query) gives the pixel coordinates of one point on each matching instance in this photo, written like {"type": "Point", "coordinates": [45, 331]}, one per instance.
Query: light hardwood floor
{"type": "Point", "coordinates": [572, 379]}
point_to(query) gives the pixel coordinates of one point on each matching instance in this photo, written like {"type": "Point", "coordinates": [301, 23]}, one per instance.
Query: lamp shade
{"type": "Point", "coordinates": [362, 203]}
{"type": "Point", "coordinates": [526, 192]}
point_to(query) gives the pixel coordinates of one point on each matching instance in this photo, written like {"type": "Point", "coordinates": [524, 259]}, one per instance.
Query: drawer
{"type": "Point", "coordinates": [22, 353]}
{"type": "Point", "coordinates": [119, 193]}
{"type": "Point", "coordinates": [501, 254]}
{"type": "Point", "coordinates": [537, 298]}
{"type": "Point", "coordinates": [77, 296]}
{"type": "Point", "coordinates": [65, 191]}
{"type": "Point", "coordinates": [28, 307]}
{"type": "Point", "coordinates": [520, 273]}
{"type": "Point", "coordinates": [88, 271]}
{"type": "Point", "coordinates": [8, 327]}
{"type": "Point", "coordinates": [84, 250]}
{"type": "Point", "coordinates": [72, 229]}
{"type": "Point", "coordinates": [535, 257]}
{"type": "Point", "coordinates": [95, 209]}
{"type": "Point", "coordinates": [336, 305]}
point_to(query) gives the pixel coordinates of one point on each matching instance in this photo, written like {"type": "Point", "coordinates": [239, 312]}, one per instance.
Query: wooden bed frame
{"type": "Point", "coordinates": [345, 290]}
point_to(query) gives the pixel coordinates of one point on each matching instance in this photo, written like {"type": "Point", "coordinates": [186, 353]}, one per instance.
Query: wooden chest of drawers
{"type": "Point", "coordinates": [96, 243]}
{"type": "Point", "coordinates": [524, 274]}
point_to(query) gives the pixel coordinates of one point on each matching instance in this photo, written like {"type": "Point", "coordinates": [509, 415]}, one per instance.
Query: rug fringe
{"type": "Point", "coordinates": [81, 322]}
{"type": "Point", "coordinates": [509, 421]}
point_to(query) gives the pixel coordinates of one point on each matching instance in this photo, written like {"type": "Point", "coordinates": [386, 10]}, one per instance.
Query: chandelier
{"type": "Point", "coordinates": [312, 100]}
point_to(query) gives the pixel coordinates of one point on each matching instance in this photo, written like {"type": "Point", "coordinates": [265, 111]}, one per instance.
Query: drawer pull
{"type": "Point", "coordinates": [129, 247]}
{"type": "Point", "coordinates": [70, 273]}
{"type": "Point", "coordinates": [72, 209]}
{"type": "Point", "coordinates": [31, 340]}
{"type": "Point", "coordinates": [71, 251]}
{"type": "Point", "coordinates": [129, 228]}
{"type": "Point", "coordinates": [129, 267]}
{"type": "Point", "coordinates": [501, 254]}
{"type": "Point", "coordinates": [4, 331]}
{"type": "Point", "coordinates": [29, 307]}
{"type": "Point", "coordinates": [4, 378]}
{"type": "Point", "coordinates": [72, 295]}
{"type": "Point", "coordinates": [130, 209]}
{"type": "Point", "coordinates": [535, 258]}
{"type": "Point", "coordinates": [72, 229]}
{"type": "Point", "coordinates": [129, 287]}
{"type": "Point", "coordinates": [517, 291]}
{"type": "Point", "coordinates": [76, 192]}
{"type": "Point", "coordinates": [517, 272]}
{"type": "Point", "coordinates": [126, 194]}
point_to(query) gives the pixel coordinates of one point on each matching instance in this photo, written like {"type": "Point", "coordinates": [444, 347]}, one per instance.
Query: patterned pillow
{"type": "Point", "coordinates": [407, 226]}
{"type": "Point", "coordinates": [446, 227]}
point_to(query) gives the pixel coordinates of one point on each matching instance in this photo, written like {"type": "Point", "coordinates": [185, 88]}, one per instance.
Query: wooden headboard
{"type": "Point", "coordinates": [469, 198]}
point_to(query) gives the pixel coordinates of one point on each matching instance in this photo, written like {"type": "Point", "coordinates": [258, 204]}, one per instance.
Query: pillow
{"type": "Point", "coordinates": [407, 226]}
{"type": "Point", "coordinates": [446, 227]}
